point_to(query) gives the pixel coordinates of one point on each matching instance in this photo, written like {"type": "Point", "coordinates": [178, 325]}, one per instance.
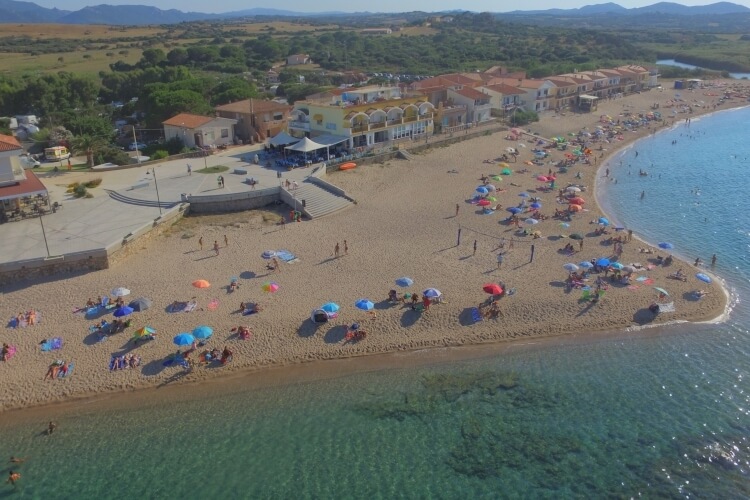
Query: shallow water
{"type": "Point", "coordinates": [660, 416]}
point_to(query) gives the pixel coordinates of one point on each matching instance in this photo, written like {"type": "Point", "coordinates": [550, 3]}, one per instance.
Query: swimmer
{"type": "Point", "coordinates": [51, 428]}
{"type": "Point", "coordinates": [13, 477]}
{"type": "Point", "coordinates": [17, 460]}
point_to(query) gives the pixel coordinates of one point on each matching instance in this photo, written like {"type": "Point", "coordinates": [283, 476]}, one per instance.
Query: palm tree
{"type": "Point", "coordinates": [87, 144]}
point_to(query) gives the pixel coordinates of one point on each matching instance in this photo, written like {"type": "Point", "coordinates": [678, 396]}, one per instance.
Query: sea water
{"type": "Point", "coordinates": [663, 414]}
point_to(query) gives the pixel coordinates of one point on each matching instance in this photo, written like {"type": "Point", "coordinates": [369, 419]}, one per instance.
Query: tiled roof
{"type": "Point", "coordinates": [505, 89]}
{"type": "Point", "coordinates": [471, 93]}
{"type": "Point", "coordinates": [188, 121]}
{"type": "Point", "coordinates": [29, 186]}
{"type": "Point", "coordinates": [9, 143]}
{"type": "Point", "coordinates": [258, 106]}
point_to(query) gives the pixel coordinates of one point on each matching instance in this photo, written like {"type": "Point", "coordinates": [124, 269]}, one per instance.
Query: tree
{"type": "Point", "coordinates": [87, 144]}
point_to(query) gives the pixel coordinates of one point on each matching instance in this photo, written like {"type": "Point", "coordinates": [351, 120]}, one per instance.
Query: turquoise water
{"type": "Point", "coordinates": [662, 415]}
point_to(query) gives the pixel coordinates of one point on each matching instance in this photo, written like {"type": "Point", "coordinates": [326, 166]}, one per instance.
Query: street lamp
{"type": "Point", "coordinates": [44, 234]}
{"type": "Point", "coordinates": [156, 184]}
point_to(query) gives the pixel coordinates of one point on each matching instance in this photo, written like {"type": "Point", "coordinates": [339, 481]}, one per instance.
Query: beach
{"type": "Point", "coordinates": [404, 224]}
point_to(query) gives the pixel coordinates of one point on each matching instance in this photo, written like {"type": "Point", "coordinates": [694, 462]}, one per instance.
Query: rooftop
{"type": "Point", "coordinates": [9, 143]}
{"type": "Point", "coordinates": [30, 186]}
{"type": "Point", "coordinates": [188, 121]}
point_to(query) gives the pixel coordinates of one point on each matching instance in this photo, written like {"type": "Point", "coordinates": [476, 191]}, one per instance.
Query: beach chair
{"type": "Point", "coordinates": [476, 316]}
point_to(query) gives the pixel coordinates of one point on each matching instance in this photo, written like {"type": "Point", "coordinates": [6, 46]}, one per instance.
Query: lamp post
{"type": "Point", "coordinates": [44, 235]}
{"type": "Point", "coordinates": [135, 141]}
{"type": "Point", "coordinates": [156, 184]}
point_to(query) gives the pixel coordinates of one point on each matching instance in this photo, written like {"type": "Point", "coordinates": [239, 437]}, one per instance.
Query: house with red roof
{"type": "Point", "coordinates": [21, 192]}
{"type": "Point", "coordinates": [200, 131]}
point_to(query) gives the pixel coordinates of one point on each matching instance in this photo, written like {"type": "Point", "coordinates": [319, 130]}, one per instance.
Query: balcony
{"type": "Point", "coordinates": [298, 125]}
{"type": "Point", "coordinates": [377, 125]}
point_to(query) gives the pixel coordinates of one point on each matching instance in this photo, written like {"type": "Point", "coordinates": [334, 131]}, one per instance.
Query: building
{"type": "Point", "coordinates": [200, 131]}
{"type": "Point", "coordinates": [377, 31]}
{"type": "Point", "coordinates": [478, 107]}
{"type": "Point", "coordinates": [257, 120]}
{"type": "Point", "coordinates": [21, 192]}
{"type": "Point", "coordinates": [297, 59]}
{"type": "Point", "coordinates": [363, 117]}
{"type": "Point", "coordinates": [503, 98]}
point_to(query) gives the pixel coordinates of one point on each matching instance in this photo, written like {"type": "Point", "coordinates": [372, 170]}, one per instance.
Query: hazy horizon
{"type": "Point", "coordinates": [337, 5]}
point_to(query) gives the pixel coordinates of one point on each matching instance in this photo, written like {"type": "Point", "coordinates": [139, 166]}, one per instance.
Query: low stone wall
{"type": "Point", "coordinates": [130, 244]}
{"type": "Point", "coordinates": [234, 202]}
{"type": "Point", "coordinates": [35, 269]}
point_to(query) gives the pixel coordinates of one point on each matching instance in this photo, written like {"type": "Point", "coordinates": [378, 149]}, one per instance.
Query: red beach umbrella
{"type": "Point", "coordinates": [492, 289]}
{"type": "Point", "coordinates": [484, 203]}
{"type": "Point", "coordinates": [577, 200]}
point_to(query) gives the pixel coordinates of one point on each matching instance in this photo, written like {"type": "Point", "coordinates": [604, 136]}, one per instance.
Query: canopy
{"type": "Point", "coordinates": [330, 140]}
{"type": "Point", "coordinates": [404, 281]}
{"type": "Point", "coordinates": [306, 145]}
{"type": "Point", "coordinates": [140, 304]}
{"type": "Point", "coordinates": [120, 291]}
{"type": "Point", "coordinates": [319, 316]}
{"type": "Point", "coordinates": [282, 138]}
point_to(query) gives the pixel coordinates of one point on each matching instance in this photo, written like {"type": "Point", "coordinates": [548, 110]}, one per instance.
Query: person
{"type": "Point", "coordinates": [17, 460]}
{"type": "Point", "coordinates": [233, 285]}
{"type": "Point", "coordinates": [643, 194]}
{"type": "Point", "coordinates": [698, 262]}
{"type": "Point", "coordinates": [295, 185]}
{"type": "Point", "coordinates": [51, 427]}
{"type": "Point", "coordinates": [713, 260]}
{"type": "Point", "coordinates": [499, 260]}
{"type": "Point", "coordinates": [346, 248]}
{"type": "Point", "coordinates": [226, 241]}
{"type": "Point", "coordinates": [336, 250]}
{"type": "Point", "coordinates": [90, 303]}
{"type": "Point", "coordinates": [200, 242]}
{"type": "Point", "coordinates": [282, 222]}
{"type": "Point", "coordinates": [13, 477]}
{"type": "Point", "coordinates": [475, 247]}
{"type": "Point", "coordinates": [580, 245]}
{"type": "Point", "coordinates": [216, 247]}
{"type": "Point", "coordinates": [275, 265]}
{"type": "Point", "coordinates": [226, 355]}
{"type": "Point", "coordinates": [5, 352]}
{"type": "Point", "coordinates": [54, 370]}
{"type": "Point", "coordinates": [189, 169]}
{"type": "Point", "coordinates": [457, 207]}
{"type": "Point", "coordinates": [392, 296]}
{"type": "Point", "coordinates": [426, 302]}
{"type": "Point", "coordinates": [531, 257]}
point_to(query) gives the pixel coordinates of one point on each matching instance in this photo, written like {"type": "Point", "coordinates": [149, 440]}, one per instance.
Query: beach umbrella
{"type": "Point", "coordinates": [484, 203]}
{"type": "Point", "coordinates": [502, 164]}
{"type": "Point", "coordinates": [270, 286]}
{"type": "Point", "coordinates": [514, 210]}
{"type": "Point", "coordinates": [666, 246]}
{"type": "Point", "coordinates": [616, 265]}
{"type": "Point", "coordinates": [268, 254]}
{"type": "Point", "coordinates": [234, 279]}
{"type": "Point", "coordinates": [142, 332]}
{"type": "Point", "coordinates": [364, 304]}
{"type": "Point", "coordinates": [542, 178]}
{"type": "Point", "coordinates": [404, 281]}
{"type": "Point", "coordinates": [703, 277]}
{"type": "Point", "coordinates": [490, 187]}
{"type": "Point", "coordinates": [536, 205]}
{"type": "Point", "coordinates": [183, 339]}
{"type": "Point", "coordinates": [603, 221]}
{"type": "Point", "coordinates": [603, 262]}
{"type": "Point", "coordinates": [203, 332]}
{"type": "Point", "coordinates": [330, 307]}
{"type": "Point", "coordinates": [120, 291]}
{"type": "Point", "coordinates": [497, 178]}
{"type": "Point", "coordinates": [575, 208]}
{"type": "Point", "coordinates": [201, 284]}
{"type": "Point", "coordinates": [140, 304]}
{"type": "Point", "coordinates": [506, 171]}
{"type": "Point", "coordinates": [570, 267]}
{"type": "Point", "coordinates": [432, 293]}
{"type": "Point", "coordinates": [585, 264]}
{"type": "Point", "coordinates": [482, 190]}
{"type": "Point", "coordinates": [123, 311]}
{"type": "Point", "coordinates": [492, 289]}
{"type": "Point", "coordinates": [628, 269]}
{"type": "Point", "coordinates": [523, 195]}
{"type": "Point", "coordinates": [577, 200]}
{"type": "Point", "coordinates": [575, 236]}
{"type": "Point", "coordinates": [531, 221]}
{"type": "Point", "coordinates": [491, 198]}
{"type": "Point", "coordinates": [573, 189]}
{"type": "Point", "coordinates": [661, 290]}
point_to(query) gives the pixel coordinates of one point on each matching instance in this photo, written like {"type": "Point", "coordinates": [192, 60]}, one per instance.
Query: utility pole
{"type": "Point", "coordinates": [135, 141]}
{"type": "Point", "coordinates": [156, 184]}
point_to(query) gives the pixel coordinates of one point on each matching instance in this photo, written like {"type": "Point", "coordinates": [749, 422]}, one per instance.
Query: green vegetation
{"type": "Point", "coordinates": [217, 169]}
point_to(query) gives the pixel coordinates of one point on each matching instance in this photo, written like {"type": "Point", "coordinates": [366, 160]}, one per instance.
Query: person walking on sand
{"type": "Point", "coordinates": [189, 169]}
{"type": "Point", "coordinates": [475, 248]}
{"type": "Point", "coordinates": [226, 241]}
{"type": "Point", "coordinates": [500, 260]}
{"type": "Point", "coordinates": [580, 245]}
{"type": "Point", "coordinates": [531, 258]}
{"type": "Point", "coordinates": [346, 248]}
{"type": "Point", "coordinates": [216, 247]}
{"type": "Point", "coordinates": [200, 242]}
{"type": "Point", "coordinates": [457, 207]}
{"type": "Point", "coordinates": [336, 250]}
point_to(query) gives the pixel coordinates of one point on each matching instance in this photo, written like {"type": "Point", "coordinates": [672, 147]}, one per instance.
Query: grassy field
{"type": "Point", "coordinates": [86, 32]}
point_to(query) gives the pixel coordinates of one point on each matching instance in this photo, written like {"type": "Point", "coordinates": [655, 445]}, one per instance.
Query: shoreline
{"type": "Point", "coordinates": [398, 338]}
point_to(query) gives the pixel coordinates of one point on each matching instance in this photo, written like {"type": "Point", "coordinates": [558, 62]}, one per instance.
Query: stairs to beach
{"type": "Point", "coordinates": [319, 201]}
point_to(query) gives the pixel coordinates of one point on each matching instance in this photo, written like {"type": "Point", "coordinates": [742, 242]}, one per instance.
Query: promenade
{"type": "Point", "coordinates": [91, 223]}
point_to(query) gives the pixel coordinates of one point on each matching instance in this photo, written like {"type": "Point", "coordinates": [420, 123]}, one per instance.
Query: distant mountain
{"type": "Point", "coordinates": [669, 8]}
{"type": "Point", "coordinates": [13, 11]}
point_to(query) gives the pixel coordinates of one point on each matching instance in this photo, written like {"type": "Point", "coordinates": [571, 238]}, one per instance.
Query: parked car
{"type": "Point", "coordinates": [136, 145]}
{"type": "Point", "coordinates": [29, 162]}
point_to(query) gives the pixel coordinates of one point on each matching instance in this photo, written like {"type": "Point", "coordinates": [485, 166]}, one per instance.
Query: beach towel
{"type": "Point", "coordinates": [63, 374]}
{"type": "Point", "coordinates": [190, 306]}
{"type": "Point", "coordinates": [641, 278]}
{"type": "Point", "coordinates": [668, 308]}
{"type": "Point", "coordinates": [649, 281]}
{"type": "Point", "coordinates": [177, 307]}
{"type": "Point", "coordinates": [213, 304]}
{"type": "Point", "coordinates": [52, 344]}
{"type": "Point", "coordinates": [633, 288]}
{"type": "Point", "coordinates": [11, 352]}
{"type": "Point", "coordinates": [286, 256]}
{"type": "Point", "coordinates": [476, 316]}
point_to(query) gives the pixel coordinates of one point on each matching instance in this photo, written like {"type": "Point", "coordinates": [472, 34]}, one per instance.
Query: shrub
{"type": "Point", "coordinates": [159, 154]}
{"type": "Point", "coordinates": [80, 191]}
{"type": "Point", "coordinates": [93, 183]}
{"type": "Point", "coordinates": [72, 187]}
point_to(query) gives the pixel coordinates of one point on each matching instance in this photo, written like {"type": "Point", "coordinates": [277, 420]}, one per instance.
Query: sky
{"type": "Point", "coordinates": [348, 6]}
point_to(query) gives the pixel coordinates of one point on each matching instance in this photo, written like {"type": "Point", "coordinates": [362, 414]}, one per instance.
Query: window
{"type": "Point", "coordinates": [330, 126]}
{"type": "Point", "coordinates": [224, 133]}
{"type": "Point", "coordinates": [278, 116]}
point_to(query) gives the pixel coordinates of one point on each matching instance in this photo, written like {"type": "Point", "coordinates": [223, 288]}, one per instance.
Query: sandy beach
{"type": "Point", "coordinates": [404, 224]}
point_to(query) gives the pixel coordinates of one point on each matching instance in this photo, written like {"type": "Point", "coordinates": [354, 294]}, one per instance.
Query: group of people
{"type": "Point", "coordinates": [26, 318]}
{"type": "Point", "coordinates": [58, 368]}
{"type": "Point", "coordinates": [223, 356]}
{"type": "Point", "coordinates": [124, 362]}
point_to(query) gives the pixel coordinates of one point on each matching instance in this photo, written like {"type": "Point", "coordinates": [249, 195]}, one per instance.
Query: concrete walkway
{"type": "Point", "coordinates": [91, 223]}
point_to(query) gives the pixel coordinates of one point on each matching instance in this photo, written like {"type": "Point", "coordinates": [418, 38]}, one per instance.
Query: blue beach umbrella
{"type": "Point", "coordinates": [570, 267]}
{"type": "Point", "coordinates": [602, 262]}
{"type": "Point", "coordinates": [666, 246]}
{"type": "Point", "coordinates": [404, 282]}
{"type": "Point", "coordinates": [482, 190]}
{"type": "Point", "coordinates": [585, 264]}
{"type": "Point", "coordinates": [432, 293]}
{"type": "Point", "coordinates": [531, 221]}
{"type": "Point", "coordinates": [123, 311]}
{"type": "Point", "coordinates": [364, 304]}
{"type": "Point", "coordinates": [616, 265]}
{"type": "Point", "coordinates": [704, 277]}
{"type": "Point", "coordinates": [514, 210]}
{"type": "Point", "coordinates": [603, 221]}
{"type": "Point", "coordinates": [203, 332]}
{"type": "Point", "coordinates": [536, 205]}
{"type": "Point", "coordinates": [330, 307]}
{"type": "Point", "coordinates": [523, 195]}
{"type": "Point", "coordinates": [184, 339]}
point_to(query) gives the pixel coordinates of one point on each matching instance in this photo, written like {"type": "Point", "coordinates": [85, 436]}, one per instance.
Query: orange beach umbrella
{"type": "Point", "coordinates": [201, 284]}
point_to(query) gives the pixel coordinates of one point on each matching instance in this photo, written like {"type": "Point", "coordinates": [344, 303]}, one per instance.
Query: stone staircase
{"type": "Point", "coordinates": [405, 155]}
{"type": "Point", "coordinates": [319, 202]}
